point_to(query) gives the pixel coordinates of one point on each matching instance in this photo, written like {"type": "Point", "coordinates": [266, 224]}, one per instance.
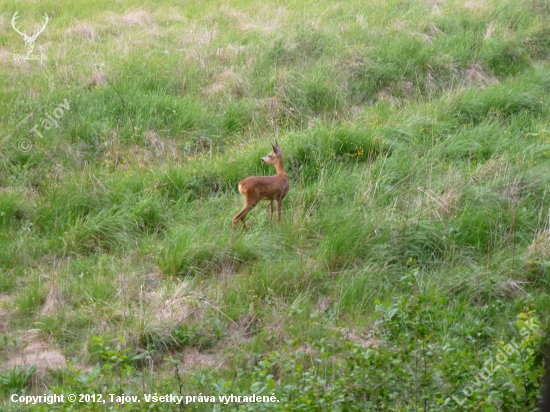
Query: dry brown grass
{"type": "Point", "coordinates": [227, 82]}
{"type": "Point", "coordinates": [540, 246]}
{"type": "Point", "coordinates": [229, 53]}
{"type": "Point", "coordinates": [4, 318]}
{"type": "Point", "coordinates": [5, 23]}
{"type": "Point", "coordinates": [193, 360]}
{"type": "Point", "coordinates": [133, 30]}
{"type": "Point", "coordinates": [44, 356]}
{"type": "Point", "coordinates": [83, 30]}
{"type": "Point", "coordinates": [489, 32]}
{"type": "Point", "coordinates": [170, 306]}
{"type": "Point", "coordinates": [360, 340]}
{"type": "Point", "coordinates": [491, 169]}
{"type": "Point", "coordinates": [5, 303]}
{"type": "Point", "coordinates": [51, 301]}
{"type": "Point", "coordinates": [476, 76]}
{"type": "Point", "coordinates": [5, 56]}
{"type": "Point", "coordinates": [432, 32]}
{"type": "Point", "coordinates": [512, 288]}
{"type": "Point", "coordinates": [273, 105]}
{"type": "Point", "coordinates": [154, 152]}
{"type": "Point", "coordinates": [441, 205]}
{"type": "Point", "coordinates": [512, 191]}
{"type": "Point", "coordinates": [136, 18]}
{"type": "Point", "coordinates": [478, 7]}
{"type": "Point", "coordinates": [266, 21]}
{"type": "Point", "coordinates": [22, 66]}
{"type": "Point", "coordinates": [199, 36]}
{"type": "Point", "coordinates": [35, 349]}
{"type": "Point", "coordinates": [98, 79]}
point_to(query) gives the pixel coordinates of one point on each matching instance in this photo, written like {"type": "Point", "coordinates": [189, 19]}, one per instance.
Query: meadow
{"type": "Point", "coordinates": [411, 268]}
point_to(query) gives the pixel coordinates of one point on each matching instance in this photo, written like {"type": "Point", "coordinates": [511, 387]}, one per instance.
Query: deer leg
{"type": "Point", "coordinates": [271, 210]}
{"type": "Point", "coordinates": [242, 215]}
{"type": "Point", "coordinates": [248, 206]}
{"type": "Point", "coordinates": [279, 206]}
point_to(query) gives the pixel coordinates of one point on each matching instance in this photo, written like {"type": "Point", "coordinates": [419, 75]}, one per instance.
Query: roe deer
{"type": "Point", "coordinates": [256, 188]}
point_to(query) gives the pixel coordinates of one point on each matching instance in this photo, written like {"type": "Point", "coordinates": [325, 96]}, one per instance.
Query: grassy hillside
{"type": "Point", "coordinates": [415, 240]}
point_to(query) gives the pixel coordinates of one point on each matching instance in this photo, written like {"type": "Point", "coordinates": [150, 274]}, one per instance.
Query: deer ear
{"type": "Point", "coordinates": [276, 144]}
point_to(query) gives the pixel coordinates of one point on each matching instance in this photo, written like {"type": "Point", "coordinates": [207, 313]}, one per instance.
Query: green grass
{"type": "Point", "coordinates": [417, 142]}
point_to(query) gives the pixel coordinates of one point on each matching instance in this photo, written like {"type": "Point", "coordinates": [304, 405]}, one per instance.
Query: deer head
{"type": "Point", "coordinates": [29, 40]}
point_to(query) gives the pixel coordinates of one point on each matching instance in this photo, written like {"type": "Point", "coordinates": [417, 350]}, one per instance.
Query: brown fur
{"type": "Point", "coordinates": [256, 188]}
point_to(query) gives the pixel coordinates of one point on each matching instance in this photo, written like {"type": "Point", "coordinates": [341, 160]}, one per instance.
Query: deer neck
{"type": "Point", "coordinates": [279, 166]}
